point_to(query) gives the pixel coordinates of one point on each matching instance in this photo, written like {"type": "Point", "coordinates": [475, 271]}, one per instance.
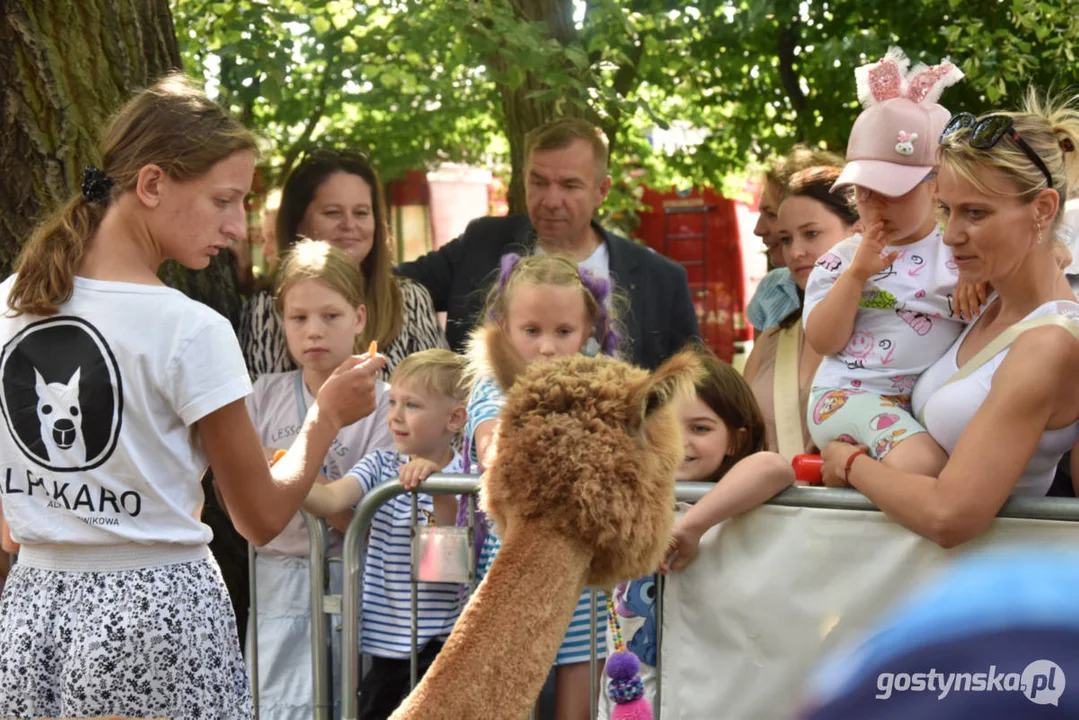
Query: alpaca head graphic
{"type": "Point", "coordinates": [60, 415]}
{"type": "Point", "coordinates": [61, 395]}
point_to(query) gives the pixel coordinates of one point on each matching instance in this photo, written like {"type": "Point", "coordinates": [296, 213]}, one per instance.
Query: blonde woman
{"type": "Point", "coordinates": [1003, 401]}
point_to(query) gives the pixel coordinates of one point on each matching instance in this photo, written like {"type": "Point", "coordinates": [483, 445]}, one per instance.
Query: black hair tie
{"type": "Point", "coordinates": [96, 186]}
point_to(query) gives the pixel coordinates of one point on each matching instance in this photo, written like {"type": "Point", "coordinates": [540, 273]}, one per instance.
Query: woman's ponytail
{"type": "Point", "coordinates": [172, 125]}
{"type": "Point", "coordinates": [47, 264]}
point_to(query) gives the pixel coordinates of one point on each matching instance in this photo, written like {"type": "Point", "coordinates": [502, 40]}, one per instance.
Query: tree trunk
{"type": "Point", "coordinates": [522, 113]}
{"type": "Point", "coordinates": [65, 67]}
{"type": "Point", "coordinates": [789, 37]}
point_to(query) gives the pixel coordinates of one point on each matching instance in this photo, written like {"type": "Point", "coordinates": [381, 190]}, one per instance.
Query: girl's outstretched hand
{"type": "Point", "coordinates": [349, 394]}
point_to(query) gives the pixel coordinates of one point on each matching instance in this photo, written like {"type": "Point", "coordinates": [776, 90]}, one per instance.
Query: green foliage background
{"type": "Point", "coordinates": [416, 82]}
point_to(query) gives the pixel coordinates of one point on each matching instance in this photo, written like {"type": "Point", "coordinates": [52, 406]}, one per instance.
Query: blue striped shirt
{"type": "Point", "coordinates": [775, 299]}
{"type": "Point", "coordinates": [484, 403]}
{"type": "Point", "coordinates": [387, 590]}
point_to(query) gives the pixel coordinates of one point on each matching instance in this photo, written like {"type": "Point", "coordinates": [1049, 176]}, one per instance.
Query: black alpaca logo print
{"type": "Point", "coordinates": [62, 395]}
{"type": "Point", "coordinates": [61, 419]}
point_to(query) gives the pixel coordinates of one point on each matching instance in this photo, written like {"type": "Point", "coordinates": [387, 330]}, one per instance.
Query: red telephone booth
{"type": "Point", "coordinates": [699, 230]}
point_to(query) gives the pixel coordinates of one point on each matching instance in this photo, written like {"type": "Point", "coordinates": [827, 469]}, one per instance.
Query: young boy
{"type": "Point", "coordinates": [426, 411]}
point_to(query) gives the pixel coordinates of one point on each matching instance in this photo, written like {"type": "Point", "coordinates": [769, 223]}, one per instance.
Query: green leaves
{"type": "Point", "coordinates": [417, 82]}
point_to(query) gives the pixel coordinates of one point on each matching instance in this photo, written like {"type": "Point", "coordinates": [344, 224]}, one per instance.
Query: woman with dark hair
{"type": "Point", "coordinates": [777, 294]}
{"type": "Point", "coordinates": [811, 220]}
{"type": "Point", "coordinates": [337, 196]}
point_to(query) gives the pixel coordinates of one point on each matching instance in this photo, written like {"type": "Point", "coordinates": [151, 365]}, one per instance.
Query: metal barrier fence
{"type": "Point", "coordinates": [353, 560]}
{"type": "Point", "coordinates": [777, 591]}
{"type": "Point", "coordinates": [322, 607]}
{"type": "Point", "coordinates": [438, 484]}
{"type": "Point", "coordinates": [348, 604]}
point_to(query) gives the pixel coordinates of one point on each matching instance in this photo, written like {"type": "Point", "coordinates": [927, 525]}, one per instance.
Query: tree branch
{"type": "Point", "coordinates": [301, 142]}
{"type": "Point", "coordinates": [788, 40]}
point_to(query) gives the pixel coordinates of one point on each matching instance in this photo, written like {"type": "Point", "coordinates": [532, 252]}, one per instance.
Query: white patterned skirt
{"type": "Point", "coordinates": [152, 642]}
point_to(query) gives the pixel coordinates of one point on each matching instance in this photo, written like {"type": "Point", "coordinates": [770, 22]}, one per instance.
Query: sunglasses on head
{"type": "Point", "coordinates": [987, 132]}
{"type": "Point", "coordinates": [332, 153]}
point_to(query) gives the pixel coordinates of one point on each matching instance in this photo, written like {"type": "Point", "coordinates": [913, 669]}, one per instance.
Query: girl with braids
{"type": "Point", "coordinates": [543, 307]}
{"type": "Point", "coordinates": [118, 392]}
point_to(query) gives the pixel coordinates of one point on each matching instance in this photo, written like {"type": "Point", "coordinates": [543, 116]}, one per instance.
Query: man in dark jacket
{"type": "Point", "coordinates": [566, 181]}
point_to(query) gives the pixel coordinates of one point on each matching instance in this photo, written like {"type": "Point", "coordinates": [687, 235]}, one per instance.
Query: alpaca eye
{"type": "Point", "coordinates": [74, 411]}
{"type": "Point", "coordinates": [46, 409]}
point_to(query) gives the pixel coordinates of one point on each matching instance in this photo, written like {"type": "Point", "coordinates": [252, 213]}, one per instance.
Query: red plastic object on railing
{"type": "Point", "coordinates": [807, 468]}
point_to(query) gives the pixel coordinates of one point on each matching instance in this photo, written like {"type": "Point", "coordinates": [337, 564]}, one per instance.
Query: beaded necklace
{"type": "Point", "coordinates": [626, 688]}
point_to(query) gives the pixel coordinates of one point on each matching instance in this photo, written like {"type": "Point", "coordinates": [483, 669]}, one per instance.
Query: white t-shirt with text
{"type": "Point", "coordinates": [278, 413]}
{"type": "Point", "coordinates": [99, 403]}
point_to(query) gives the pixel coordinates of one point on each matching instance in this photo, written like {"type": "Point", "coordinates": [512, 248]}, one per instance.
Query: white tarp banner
{"type": "Point", "coordinates": [774, 591]}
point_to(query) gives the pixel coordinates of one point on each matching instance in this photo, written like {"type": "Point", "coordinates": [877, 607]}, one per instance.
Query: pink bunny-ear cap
{"type": "Point", "coordinates": [888, 78]}
{"type": "Point", "coordinates": [926, 84]}
{"type": "Point", "coordinates": [882, 80]}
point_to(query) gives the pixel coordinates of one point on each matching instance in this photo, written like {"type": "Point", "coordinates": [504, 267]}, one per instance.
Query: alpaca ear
{"type": "Point", "coordinates": [505, 362]}
{"type": "Point", "coordinates": [674, 378]}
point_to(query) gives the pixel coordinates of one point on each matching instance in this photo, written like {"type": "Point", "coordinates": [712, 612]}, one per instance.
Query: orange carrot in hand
{"type": "Point", "coordinates": [372, 349]}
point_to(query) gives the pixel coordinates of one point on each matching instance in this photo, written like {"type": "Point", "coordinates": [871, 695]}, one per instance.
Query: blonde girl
{"type": "Point", "coordinates": [320, 298]}
{"type": "Point", "coordinates": [543, 307]}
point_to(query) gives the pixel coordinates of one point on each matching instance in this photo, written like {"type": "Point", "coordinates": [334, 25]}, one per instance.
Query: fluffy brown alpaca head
{"type": "Point", "coordinates": [581, 487]}
{"type": "Point", "coordinates": [587, 448]}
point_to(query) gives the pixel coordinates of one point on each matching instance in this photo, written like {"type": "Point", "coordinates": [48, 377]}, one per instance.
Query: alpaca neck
{"type": "Point", "coordinates": [495, 663]}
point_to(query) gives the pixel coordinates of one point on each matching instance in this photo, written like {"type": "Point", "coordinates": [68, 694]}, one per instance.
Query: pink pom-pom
{"type": "Point", "coordinates": [639, 709]}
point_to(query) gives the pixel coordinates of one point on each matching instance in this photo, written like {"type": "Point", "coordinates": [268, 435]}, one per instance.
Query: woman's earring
{"type": "Point", "coordinates": [1040, 238]}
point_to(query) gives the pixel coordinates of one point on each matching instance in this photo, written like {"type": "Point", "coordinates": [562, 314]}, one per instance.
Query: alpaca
{"type": "Point", "coordinates": [581, 487]}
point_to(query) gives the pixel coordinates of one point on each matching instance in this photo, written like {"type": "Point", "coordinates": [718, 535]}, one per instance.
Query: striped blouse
{"type": "Point", "coordinates": [262, 336]}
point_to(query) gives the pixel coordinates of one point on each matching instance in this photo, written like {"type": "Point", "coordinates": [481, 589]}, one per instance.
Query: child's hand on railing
{"type": "Point", "coordinates": [684, 545]}
{"type": "Point", "coordinates": [416, 471]}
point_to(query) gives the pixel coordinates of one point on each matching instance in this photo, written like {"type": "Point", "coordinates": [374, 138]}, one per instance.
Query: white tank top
{"type": "Point", "coordinates": [949, 409]}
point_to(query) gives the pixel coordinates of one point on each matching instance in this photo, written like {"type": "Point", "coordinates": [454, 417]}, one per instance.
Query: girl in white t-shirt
{"type": "Point", "coordinates": [880, 306]}
{"type": "Point", "coordinates": [319, 297]}
{"type": "Point", "coordinates": [117, 394]}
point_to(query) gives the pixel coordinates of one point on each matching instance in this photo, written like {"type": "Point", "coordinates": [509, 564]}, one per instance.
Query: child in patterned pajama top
{"type": "Point", "coordinates": [881, 306]}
